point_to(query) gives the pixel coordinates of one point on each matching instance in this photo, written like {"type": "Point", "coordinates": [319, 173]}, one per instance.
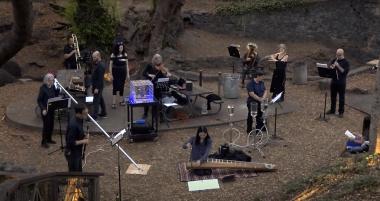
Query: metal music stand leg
{"type": "Point", "coordinates": [274, 136]}
{"type": "Point", "coordinates": [323, 117]}
{"type": "Point", "coordinates": [60, 133]}
{"type": "Point", "coordinates": [118, 169]}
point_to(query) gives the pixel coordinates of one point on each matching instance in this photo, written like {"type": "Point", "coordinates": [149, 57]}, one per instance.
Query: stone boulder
{"type": "Point", "coordinates": [5, 78]}
{"type": "Point", "coordinates": [13, 68]}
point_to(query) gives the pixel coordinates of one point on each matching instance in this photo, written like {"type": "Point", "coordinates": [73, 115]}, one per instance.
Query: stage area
{"type": "Point", "coordinates": [22, 113]}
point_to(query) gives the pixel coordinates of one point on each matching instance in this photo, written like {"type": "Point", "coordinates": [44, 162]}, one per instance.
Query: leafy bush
{"type": "Point", "coordinates": [247, 6]}
{"type": "Point", "coordinates": [93, 21]}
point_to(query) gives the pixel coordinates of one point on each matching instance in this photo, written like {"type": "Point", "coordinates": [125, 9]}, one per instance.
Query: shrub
{"type": "Point", "coordinates": [93, 21]}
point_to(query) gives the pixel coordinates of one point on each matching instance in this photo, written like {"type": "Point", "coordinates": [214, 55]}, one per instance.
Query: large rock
{"type": "Point", "coordinates": [13, 68]}
{"type": "Point", "coordinates": [5, 78]}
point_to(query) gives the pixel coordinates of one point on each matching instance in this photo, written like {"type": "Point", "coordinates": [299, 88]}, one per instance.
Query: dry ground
{"type": "Point", "coordinates": [308, 145]}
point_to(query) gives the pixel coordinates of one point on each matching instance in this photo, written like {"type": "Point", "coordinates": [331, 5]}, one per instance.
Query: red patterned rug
{"type": "Point", "coordinates": [186, 175]}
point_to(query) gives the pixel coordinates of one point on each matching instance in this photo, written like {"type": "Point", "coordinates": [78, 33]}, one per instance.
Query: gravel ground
{"type": "Point", "coordinates": [308, 144]}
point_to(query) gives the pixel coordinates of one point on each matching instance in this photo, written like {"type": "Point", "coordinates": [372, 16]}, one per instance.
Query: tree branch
{"type": "Point", "coordinates": [21, 30]}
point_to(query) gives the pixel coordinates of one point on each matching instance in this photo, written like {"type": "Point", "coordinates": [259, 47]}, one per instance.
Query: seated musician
{"type": "Point", "coordinates": [200, 148]}
{"type": "Point", "coordinates": [153, 72]}
{"type": "Point", "coordinates": [357, 144]}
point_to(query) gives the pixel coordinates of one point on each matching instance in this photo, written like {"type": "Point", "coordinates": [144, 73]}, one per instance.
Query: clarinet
{"type": "Point", "coordinates": [84, 146]}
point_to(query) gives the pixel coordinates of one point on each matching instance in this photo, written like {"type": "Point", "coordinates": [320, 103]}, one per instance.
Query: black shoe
{"type": "Point", "coordinates": [51, 142]}
{"type": "Point", "coordinates": [330, 112]}
{"type": "Point", "coordinates": [103, 115]}
{"type": "Point", "coordinates": [340, 115]}
{"type": "Point", "coordinates": [45, 145]}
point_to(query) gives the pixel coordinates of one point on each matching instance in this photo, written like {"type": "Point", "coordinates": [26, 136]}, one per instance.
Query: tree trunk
{"type": "Point", "coordinates": [375, 113]}
{"type": "Point", "coordinates": [165, 21]}
{"type": "Point", "coordinates": [21, 30]}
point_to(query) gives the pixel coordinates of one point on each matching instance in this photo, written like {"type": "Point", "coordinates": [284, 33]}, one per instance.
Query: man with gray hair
{"type": "Point", "coordinates": [97, 80]}
{"type": "Point", "coordinates": [340, 68]}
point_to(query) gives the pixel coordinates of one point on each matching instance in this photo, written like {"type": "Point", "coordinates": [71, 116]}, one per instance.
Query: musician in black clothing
{"type": "Point", "coordinates": [153, 72]}
{"type": "Point", "coordinates": [279, 74]}
{"type": "Point", "coordinates": [119, 72]}
{"type": "Point", "coordinates": [76, 138]}
{"type": "Point", "coordinates": [98, 85]}
{"type": "Point", "coordinates": [47, 90]}
{"type": "Point", "coordinates": [69, 54]}
{"type": "Point", "coordinates": [338, 83]}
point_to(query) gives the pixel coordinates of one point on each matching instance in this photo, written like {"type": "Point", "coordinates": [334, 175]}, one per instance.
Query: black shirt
{"type": "Point", "coordinates": [70, 63]}
{"type": "Point", "coordinates": [74, 133]}
{"type": "Point", "coordinates": [149, 69]}
{"type": "Point", "coordinates": [98, 76]}
{"type": "Point", "coordinates": [254, 60]}
{"type": "Point", "coordinates": [44, 95]}
{"type": "Point", "coordinates": [119, 61]}
{"type": "Point", "coordinates": [340, 77]}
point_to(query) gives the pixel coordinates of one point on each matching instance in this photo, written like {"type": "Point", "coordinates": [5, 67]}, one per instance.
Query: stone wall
{"type": "Point", "coordinates": [352, 24]}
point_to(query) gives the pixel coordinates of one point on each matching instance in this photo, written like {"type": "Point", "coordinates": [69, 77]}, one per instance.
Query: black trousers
{"type": "Point", "coordinates": [337, 89]}
{"type": "Point", "coordinates": [99, 101]}
{"type": "Point", "coordinates": [74, 161]}
{"type": "Point", "coordinates": [259, 118]}
{"type": "Point", "coordinates": [47, 127]}
{"type": "Point", "coordinates": [202, 172]}
{"type": "Point", "coordinates": [119, 75]}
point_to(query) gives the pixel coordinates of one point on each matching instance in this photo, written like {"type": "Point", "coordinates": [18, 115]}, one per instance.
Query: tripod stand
{"type": "Point", "coordinates": [57, 104]}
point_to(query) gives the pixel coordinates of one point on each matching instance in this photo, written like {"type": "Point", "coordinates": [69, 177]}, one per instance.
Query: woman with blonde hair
{"type": "Point", "coordinates": [279, 74]}
{"type": "Point", "coordinates": [250, 61]}
{"type": "Point", "coordinates": [47, 90]}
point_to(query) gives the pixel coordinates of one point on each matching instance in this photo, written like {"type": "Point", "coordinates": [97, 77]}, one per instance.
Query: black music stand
{"type": "Point", "coordinates": [276, 102]}
{"type": "Point", "coordinates": [58, 103]}
{"type": "Point", "coordinates": [233, 50]}
{"type": "Point", "coordinates": [324, 72]}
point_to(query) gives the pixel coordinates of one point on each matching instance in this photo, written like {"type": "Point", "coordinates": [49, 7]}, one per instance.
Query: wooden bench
{"type": "Point", "coordinates": [216, 102]}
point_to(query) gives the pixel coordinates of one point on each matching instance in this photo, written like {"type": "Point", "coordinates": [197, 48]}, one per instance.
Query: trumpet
{"type": "Point", "coordinates": [77, 52]}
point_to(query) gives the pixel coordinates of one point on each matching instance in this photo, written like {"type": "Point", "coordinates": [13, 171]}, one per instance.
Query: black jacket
{"type": "Point", "coordinates": [98, 76]}
{"type": "Point", "coordinates": [46, 93]}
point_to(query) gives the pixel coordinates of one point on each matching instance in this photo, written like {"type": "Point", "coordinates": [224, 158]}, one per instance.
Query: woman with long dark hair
{"type": "Point", "coordinates": [200, 148]}
{"type": "Point", "coordinates": [119, 70]}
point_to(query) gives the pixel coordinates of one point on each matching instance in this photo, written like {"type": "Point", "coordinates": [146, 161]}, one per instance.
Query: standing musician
{"type": "Point", "coordinates": [119, 71]}
{"type": "Point", "coordinates": [76, 138]}
{"type": "Point", "coordinates": [69, 54]}
{"type": "Point", "coordinates": [47, 90]}
{"type": "Point", "coordinates": [153, 72]}
{"type": "Point", "coordinates": [200, 149]}
{"type": "Point", "coordinates": [97, 81]}
{"type": "Point", "coordinates": [256, 93]}
{"type": "Point", "coordinates": [250, 62]}
{"type": "Point", "coordinates": [338, 84]}
{"type": "Point", "coordinates": [279, 74]}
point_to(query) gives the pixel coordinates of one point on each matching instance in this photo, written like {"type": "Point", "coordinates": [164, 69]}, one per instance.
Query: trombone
{"type": "Point", "coordinates": [77, 52]}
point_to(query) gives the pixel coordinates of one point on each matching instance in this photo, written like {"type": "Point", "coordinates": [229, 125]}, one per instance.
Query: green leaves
{"type": "Point", "coordinates": [94, 22]}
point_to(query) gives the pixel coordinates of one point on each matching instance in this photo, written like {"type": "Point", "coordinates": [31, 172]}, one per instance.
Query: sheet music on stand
{"type": "Point", "coordinates": [277, 97]}
{"type": "Point", "coordinates": [324, 70]}
{"type": "Point", "coordinates": [58, 103]}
